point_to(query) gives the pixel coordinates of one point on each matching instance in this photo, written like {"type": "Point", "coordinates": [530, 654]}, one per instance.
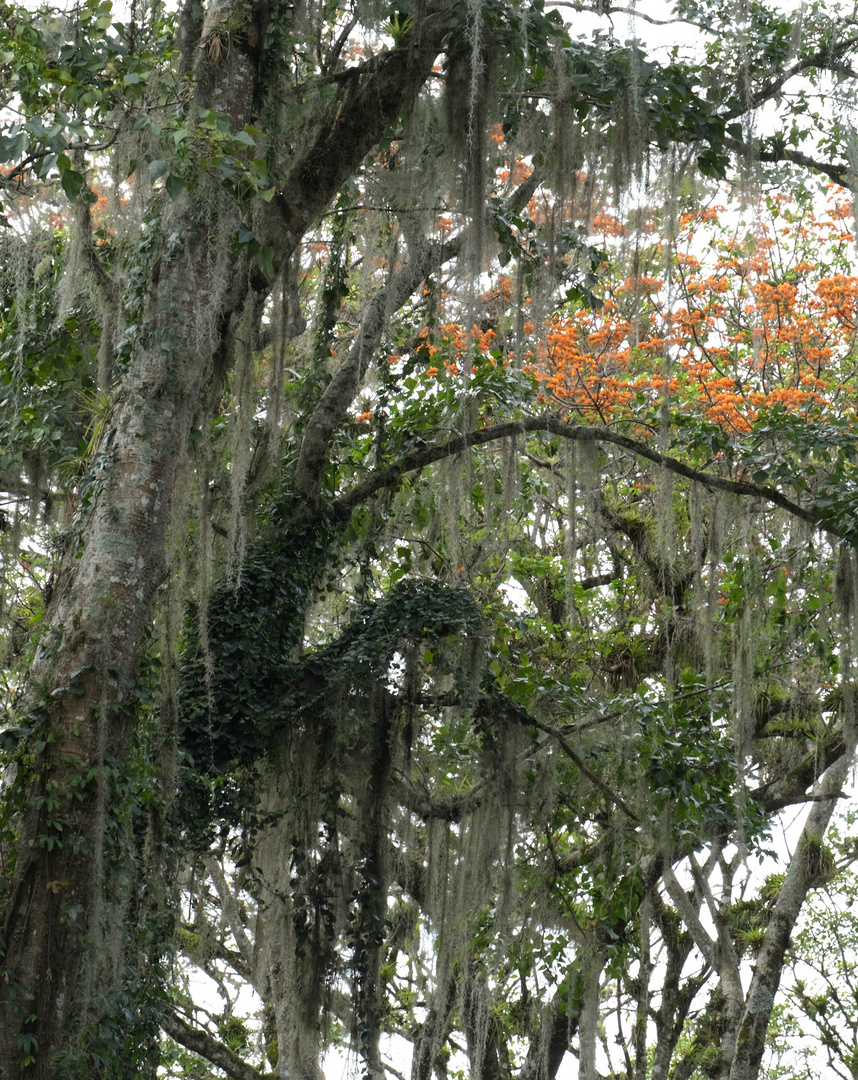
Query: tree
{"type": "Point", "coordinates": [816, 1018]}
{"type": "Point", "coordinates": [216, 519]}
{"type": "Point", "coordinates": [653, 619]}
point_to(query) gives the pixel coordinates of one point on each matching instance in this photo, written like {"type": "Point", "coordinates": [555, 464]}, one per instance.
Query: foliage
{"type": "Point", "coordinates": [428, 538]}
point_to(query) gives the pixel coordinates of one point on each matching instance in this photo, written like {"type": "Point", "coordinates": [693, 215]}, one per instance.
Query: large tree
{"type": "Point", "coordinates": [241, 240]}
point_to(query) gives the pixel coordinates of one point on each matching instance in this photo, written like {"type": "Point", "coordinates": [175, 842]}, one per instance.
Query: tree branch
{"type": "Point", "coordinates": [230, 907]}
{"type": "Point", "coordinates": [559, 1026]}
{"type": "Point", "coordinates": [19, 170]}
{"type": "Point", "coordinates": [691, 918]}
{"type": "Point", "coordinates": [367, 102]}
{"type": "Point", "coordinates": [200, 1042]}
{"type": "Point", "coordinates": [823, 60]}
{"type": "Point", "coordinates": [582, 766]}
{"type": "Point", "coordinates": [840, 174]}
{"type": "Point", "coordinates": [553, 424]}
{"type": "Point", "coordinates": [341, 391]}
{"type": "Point", "coordinates": [790, 789]}
{"type": "Point", "coordinates": [607, 8]}
{"type": "Point", "coordinates": [799, 879]}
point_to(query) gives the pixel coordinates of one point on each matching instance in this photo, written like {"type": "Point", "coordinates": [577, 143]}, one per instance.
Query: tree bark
{"type": "Point", "coordinates": [802, 875]}
{"type": "Point", "coordinates": [193, 1038]}
{"type": "Point", "coordinates": [68, 881]}
{"type": "Point", "coordinates": [80, 700]}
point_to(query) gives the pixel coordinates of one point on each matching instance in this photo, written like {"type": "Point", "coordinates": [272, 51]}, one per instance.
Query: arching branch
{"type": "Point", "coordinates": [553, 424]}
{"type": "Point", "coordinates": [605, 7]}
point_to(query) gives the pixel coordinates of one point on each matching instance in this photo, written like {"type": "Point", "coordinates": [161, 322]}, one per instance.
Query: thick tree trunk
{"type": "Point", "coordinates": [83, 712]}
{"type": "Point", "coordinates": [68, 879]}
{"type": "Point", "coordinates": [69, 883]}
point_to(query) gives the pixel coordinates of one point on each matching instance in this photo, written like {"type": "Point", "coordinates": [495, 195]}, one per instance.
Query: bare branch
{"type": "Point", "coordinates": [230, 907]}
{"type": "Point", "coordinates": [21, 168]}
{"type": "Point", "coordinates": [691, 917]}
{"type": "Point", "coordinates": [604, 8]}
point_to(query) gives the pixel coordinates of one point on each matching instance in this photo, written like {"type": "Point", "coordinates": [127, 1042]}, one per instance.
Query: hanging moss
{"type": "Point", "coordinates": [245, 405]}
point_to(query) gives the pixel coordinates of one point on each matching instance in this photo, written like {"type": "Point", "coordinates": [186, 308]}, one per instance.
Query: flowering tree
{"type": "Point", "coordinates": [267, 663]}
{"type": "Point", "coordinates": [768, 321]}
{"type": "Point", "coordinates": [663, 674]}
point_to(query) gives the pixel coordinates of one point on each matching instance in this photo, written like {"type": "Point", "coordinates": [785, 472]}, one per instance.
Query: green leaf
{"type": "Point", "coordinates": [245, 235]}
{"type": "Point", "coordinates": [157, 169]}
{"type": "Point", "coordinates": [266, 262]}
{"type": "Point", "coordinates": [175, 185]}
{"type": "Point", "coordinates": [72, 181]}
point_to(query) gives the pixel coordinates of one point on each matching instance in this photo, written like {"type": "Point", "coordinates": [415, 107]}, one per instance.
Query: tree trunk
{"type": "Point", "coordinates": [803, 874]}
{"type": "Point", "coordinates": [69, 809]}
{"type": "Point", "coordinates": [65, 889]}
{"type": "Point", "coordinates": [68, 887]}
